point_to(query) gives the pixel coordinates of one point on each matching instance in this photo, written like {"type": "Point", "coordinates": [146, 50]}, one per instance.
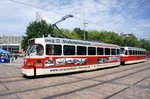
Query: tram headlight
{"type": "Point", "coordinates": [30, 64]}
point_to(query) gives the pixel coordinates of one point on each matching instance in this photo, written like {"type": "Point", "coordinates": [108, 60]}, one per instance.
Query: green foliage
{"type": "Point", "coordinates": [38, 29]}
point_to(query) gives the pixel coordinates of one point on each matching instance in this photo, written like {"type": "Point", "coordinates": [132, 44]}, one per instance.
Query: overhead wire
{"type": "Point", "coordinates": [79, 18]}
{"type": "Point", "coordinates": [118, 12]}
{"type": "Point", "coordinates": [82, 19]}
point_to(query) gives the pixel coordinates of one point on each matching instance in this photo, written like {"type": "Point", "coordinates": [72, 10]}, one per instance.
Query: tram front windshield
{"type": "Point", "coordinates": [35, 49]}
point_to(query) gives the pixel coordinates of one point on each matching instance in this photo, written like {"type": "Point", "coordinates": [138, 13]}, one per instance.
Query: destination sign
{"type": "Point", "coordinates": [66, 41]}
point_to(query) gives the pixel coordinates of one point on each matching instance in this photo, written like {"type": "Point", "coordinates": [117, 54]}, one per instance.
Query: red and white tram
{"type": "Point", "coordinates": [60, 55]}
{"type": "Point", "coordinates": [131, 55]}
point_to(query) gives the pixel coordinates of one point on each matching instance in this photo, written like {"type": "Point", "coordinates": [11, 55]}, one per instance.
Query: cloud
{"type": "Point", "coordinates": [113, 15]}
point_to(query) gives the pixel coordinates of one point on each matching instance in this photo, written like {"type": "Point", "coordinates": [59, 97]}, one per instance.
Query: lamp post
{"type": "Point", "coordinates": [62, 19]}
{"type": "Point", "coordinates": [84, 36]}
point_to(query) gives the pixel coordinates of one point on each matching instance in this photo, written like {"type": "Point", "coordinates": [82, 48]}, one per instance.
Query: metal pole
{"type": "Point", "coordinates": [63, 18]}
{"type": "Point", "coordinates": [84, 36]}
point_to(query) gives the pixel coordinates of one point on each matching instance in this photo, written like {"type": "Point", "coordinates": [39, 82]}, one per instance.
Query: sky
{"type": "Point", "coordinates": [120, 16]}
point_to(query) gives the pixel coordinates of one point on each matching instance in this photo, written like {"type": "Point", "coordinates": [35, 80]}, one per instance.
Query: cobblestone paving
{"type": "Point", "coordinates": [123, 82]}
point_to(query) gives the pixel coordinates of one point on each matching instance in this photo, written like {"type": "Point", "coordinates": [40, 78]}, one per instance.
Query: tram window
{"type": "Point", "coordinates": [126, 52]}
{"type": "Point", "coordinates": [39, 49]}
{"type": "Point", "coordinates": [31, 42]}
{"type": "Point", "coordinates": [143, 53]}
{"type": "Point", "coordinates": [91, 51]}
{"type": "Point", "coordinates": [140, 52]}
{"type": "Point", "coordinates": [122, 51]}
{"type": "Point", "coordinates": [35, 49]}
{"type": "Point", "coordinates": [53, 49]}
{"type": "Point", "coordinates": [81, 50]}
{"type": "Point", "coordinates": [118, 51]}
{"type": "Point", "coordinates": [100, 51]}
{"type": "Point", "coordinates": [136, 52]}
{"type": "Point", "coordinates": [133, 52]}
{"type": "Point", "coordinates": [130, 52]}
{"type": "Point", "coordinates": [69, 50]}
{"type": "Point", "coordinates": [113, 51]}
{"type": "Point", "coordinates": [107, 51]}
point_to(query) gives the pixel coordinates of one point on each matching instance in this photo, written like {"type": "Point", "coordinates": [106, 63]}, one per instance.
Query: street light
{"type": "Point", "coordinates": [62, 19]}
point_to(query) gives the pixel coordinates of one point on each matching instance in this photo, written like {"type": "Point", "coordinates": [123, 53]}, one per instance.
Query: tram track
{"type": "Point", "coordinates": [10, 66]}
{"type": "Point", "coordinates": [94, 85]}
{"type": "Point", "coordinates": [126, 88]}
{"type": "Point", "coordinates": [24, 79]}
{"type": "Point", "coordinates": [4, 94]}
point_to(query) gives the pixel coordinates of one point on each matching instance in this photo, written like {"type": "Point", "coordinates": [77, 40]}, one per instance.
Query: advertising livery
{"type": "Point", "coordinates": [60, 55]}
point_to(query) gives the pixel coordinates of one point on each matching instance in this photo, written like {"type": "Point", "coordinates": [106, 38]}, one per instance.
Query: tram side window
{"type": "Point", "coordinates": [69, 50]}
{"type": "Point", "coordinates": [140, 52]}
{"type": "Point", "coordinates": [122, 51]}
{"type": "Point", "coordinates": [107, 51]}
{"type": "Point", "coordinates": [130, 52]}
{"type": "Point", "coordinates": [81, 50]}
{"type": "Point", "coordinates": [118, 51]}
{"type": "Point", "coordinates": [91, 51]}
{"type": "Point", "coordinates": [113, 51]}
{"type": "Point", "coordinates": [126, 52]}
{"type": "Point", "coordinates": [100, 51]}
{"type": "Point", "coordinates": [53, 49]}
{"type": "Point", "coordinates": [136, 52]}
{"type": "Point", "coordinates": [143, 52]}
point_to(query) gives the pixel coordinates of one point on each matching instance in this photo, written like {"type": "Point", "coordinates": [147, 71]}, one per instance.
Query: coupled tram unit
{"type": "Point", "coordinates": [60, 55]}
{"type": "Point", "coordinates": [131, 55]}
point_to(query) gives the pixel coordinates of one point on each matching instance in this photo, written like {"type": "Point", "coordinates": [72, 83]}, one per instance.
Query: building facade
{"type": "Point", "coordinates": [11, 43]}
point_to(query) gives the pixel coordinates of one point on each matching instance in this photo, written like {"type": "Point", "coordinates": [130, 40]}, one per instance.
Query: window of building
{"type": "Point", "coordinates": [69, 50]}
{"type": "Point", "coordinates": [81, 50]}
{"type": "Point", "coordinates": [91, 51]}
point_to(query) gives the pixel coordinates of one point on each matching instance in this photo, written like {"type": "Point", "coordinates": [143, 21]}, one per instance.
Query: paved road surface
{"type": "Point", "coordinates": [123, 82]}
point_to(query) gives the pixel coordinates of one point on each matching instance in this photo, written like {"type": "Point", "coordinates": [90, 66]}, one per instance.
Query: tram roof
{"type": "Point", "coordinates": [73, 42]}
{"type": "Point", "coordinates": [133, 48]}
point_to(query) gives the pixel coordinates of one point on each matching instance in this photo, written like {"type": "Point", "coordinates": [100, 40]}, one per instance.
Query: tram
{"type": "Point", "coordinates": [60, 55]}
{"type": "Point", "coordinates": [131, 55]}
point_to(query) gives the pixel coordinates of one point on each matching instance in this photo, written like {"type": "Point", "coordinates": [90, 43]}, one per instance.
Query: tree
{"type": "Point", "coordinates": [144, 44]}
{"type": "Point", "coordinates": [79, 32]}
{"type": "Point", "coordinates": [40, 29]}
{"type": "Point", "coordinates": [36, 30]}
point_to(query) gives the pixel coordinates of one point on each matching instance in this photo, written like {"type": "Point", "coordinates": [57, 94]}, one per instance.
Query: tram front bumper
{"type": "Point", "coordinates": [27, 72]}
